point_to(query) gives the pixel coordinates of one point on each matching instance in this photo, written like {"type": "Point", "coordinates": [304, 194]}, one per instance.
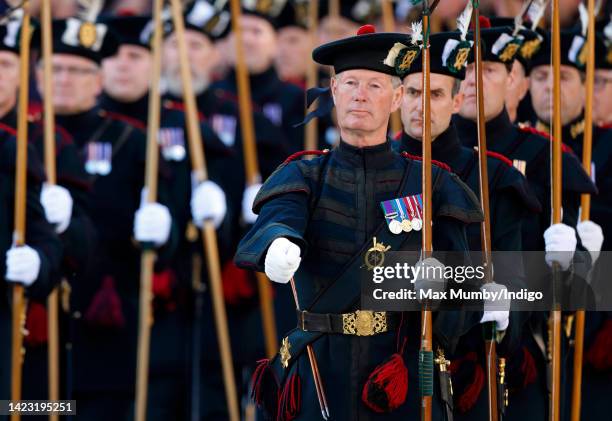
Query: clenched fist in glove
{"type": "Point", "coordinates": [208, 202]}
{"type": "Point", "coordinates": [430, 277]}
{"type": "Point", "coordinates": [496, 309]}
{"type": "Point", "coordinates": [152, 223]}
{"type": "Point", "coordinates": [22, 265]}
{"type": "Point", "coordinates": [282, 260]}
{"type": "Point", "coordinates": [247, 203]}
{"type": "Point", "coordinates": [560, 240]}
{"type": "Point", "coordinates": [592, 238]}
{"type": "Point", "coordinates": [57, 202]}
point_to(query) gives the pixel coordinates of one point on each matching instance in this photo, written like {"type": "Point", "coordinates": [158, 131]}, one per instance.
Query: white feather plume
{"type": "Point", "coordinates": [463, 21]}
{"type": "Point", "coordinates": [535, 12]}
{"type": "Point", "coordinates": [608, 29]}
{"type": "Point", "coordinates": [584, 18]}
{"type": "Point", "coordinates": [417, 32]}
{"type": "Point", "coordinates": [393, 53]}
{"type": "Point", "coordinates": [89, 9]}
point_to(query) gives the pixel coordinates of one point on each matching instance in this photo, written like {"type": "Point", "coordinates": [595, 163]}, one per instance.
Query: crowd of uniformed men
{"type": "Point", "coordinates": [310, 218]}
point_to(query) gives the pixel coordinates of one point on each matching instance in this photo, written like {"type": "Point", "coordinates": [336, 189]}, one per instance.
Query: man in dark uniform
{"type": "Point", "coordinates": [281, 102]}
{"type": "Point", "coordinates": [36, 264]}
{"type": "Point", "coordinates": [530, 153]}
{"type": "Point", "coordinates": [510, 199]}
{"type": "Point", "coordinates": [63, 204]}
{"type": "Point", "coordinates": [594, 233]}
{"type": "Point", "coordinates": [105, 297]}
{"type": "Point", "coordinates": [320, 216]}
{"type": "Point", "coordinates": [126, 94]}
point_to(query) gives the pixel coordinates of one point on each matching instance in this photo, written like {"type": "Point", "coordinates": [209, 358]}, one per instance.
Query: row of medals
{"type": "Point", "coordinates": [397, 227]}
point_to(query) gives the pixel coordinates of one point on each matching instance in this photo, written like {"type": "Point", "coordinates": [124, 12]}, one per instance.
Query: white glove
{"type": "Point", "coordinates": [592, 238]}
{"type": "Point", "coordinates": [560, 240]}
{"type": "Point", "coordinates": [247, 203]}
{"type": "Point", "coordinates": [497, 310]}
{"type": "Point", "coordinates": [22, 265]}
{"type": "Point", "coordinates": [429, 278]}
{"type": "Point", "coordinates": [58, 206]}
{"type": "Point", "coordinates": [152, 224]}
{"type": "Point", "coordinates": [282, 260]}
{"type": "Point", "coordinates": [208, 202]}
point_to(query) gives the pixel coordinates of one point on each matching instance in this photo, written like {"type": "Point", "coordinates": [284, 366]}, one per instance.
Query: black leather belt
{"type": "Point", "coordinates": [360, 322]}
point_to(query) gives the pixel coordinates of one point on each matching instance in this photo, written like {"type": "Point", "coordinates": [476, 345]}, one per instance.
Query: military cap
{"type": "Point", "coordinates": [385, 52]}
{"type": "Point", "coordinates": [448, 53]}
{"type": "Point", "coordinates": [357, 11]}
{"type": "Point", "coordinates": [131, 29]}
{"type": "Point", "coordinates": [203, 17]}
{"type": "Point", "coordinates": [270, 10]}
{"type": "Point", "coordinates": [295, 13]}
{"type": "Point", "coordinates": [603, 45]}
{"type": "Point", "coordinates": [573, 50]}
{"type": "Point", "coordinates": [531, 41]}
{"type": "Point", "coordinates": [499, 44]}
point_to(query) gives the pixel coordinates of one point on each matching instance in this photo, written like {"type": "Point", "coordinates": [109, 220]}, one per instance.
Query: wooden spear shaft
{"type": "Point", "coordinates": [485, 226]}
{"type": "Point", "coordinates": [145, 317]}
{"type": "Point", "coordinates": [253, 175]}
{"type": "Point", "coordinates": [556, 210]}
{"type": "Point", "coordinates": [426, 354]}
{"type": "Point", "coordinates": [209, 236]}
{"type": "Point", "coordinates": [50, 170]}
{"type": "Point", "coordinates": [310, 142]}
{"type": "Point", "coordinates": [19, 227]}
{"type": "Point", "coordinates": [585, 204]}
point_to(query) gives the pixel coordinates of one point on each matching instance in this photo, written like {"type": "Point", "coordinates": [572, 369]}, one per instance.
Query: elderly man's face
{"type": "Point", "coordinates": [572, 93]}
{"type": "Point", "coordinates": [125, 76]}
{"type": "Point", "coordinates": [364, 100]}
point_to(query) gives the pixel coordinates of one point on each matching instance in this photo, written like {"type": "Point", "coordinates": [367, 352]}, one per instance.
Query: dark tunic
{"type": "Point", "coordinates": [329, 206]}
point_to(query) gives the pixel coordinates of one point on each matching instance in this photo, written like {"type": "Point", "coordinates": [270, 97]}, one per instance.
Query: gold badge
{"type": "Point", "coordinates": [609, 56]}
{"type": "Point", "coordinates": [210, 25]}
{"type": "Point", "coordinates": [263, 6]}
{"type": "Point", "coordinates": [285, 356]}
{"type": "Point", "coordinates": [529, 48]}
{"type": "Point", "coordinates": [577, 129]}
{"type": "Point", "coordinates": [581, 60]}
{"type": "Point", "coordinates": [375, 256]}
{"type": "Point", "coordinates": [462, 56]}
{"type": "Point", "coordinates": [509, 52]}
{"type": "Point", "coordinates": [87, 34]}
{"type": "Point", "coordinates": [407, 59]}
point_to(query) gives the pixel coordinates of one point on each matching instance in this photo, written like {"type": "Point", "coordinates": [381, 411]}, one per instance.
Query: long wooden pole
{"type": "Point", "coordinates": [19, 227]}
{"type": "Point", "coordinates": [145, 317]}
{"type": "Point", "coordinates": [426, 353]}
{"type": "Point", "coordinates": [556, 210]}
{"type": "Point", "coordinates": [50, 170]}
{"type": "Point", "coordinates": [389, 26]}
{"type": "Point", "coordinates": [585, 204]}
{"type": "Point", "coordinates": [489, 328]}
{"type": "Point", "coordinates": [209, 236]}
{"type": "Point", "coordinates": [310, 142]}
{"type": "Point", "coordinates": [252, 172]}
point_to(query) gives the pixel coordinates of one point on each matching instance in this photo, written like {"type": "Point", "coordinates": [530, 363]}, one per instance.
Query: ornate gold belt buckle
{"type": "Point", "coordinates": [364, 323]}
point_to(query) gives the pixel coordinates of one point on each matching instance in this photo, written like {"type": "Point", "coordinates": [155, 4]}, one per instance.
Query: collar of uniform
{"type": "Point", "coordinates": [138, 109]}
{"type": "Point", "coordinates": [574, 129]}
{"type": "Point", "coordinates": [369, 157]}
{"type": "Point", "coordinates": [497, 129]}
{"type": "Point", "coordinates": [445, 148]}
{"type": "Point", "coordinates": [10, 118]}
{"type": "Point", "coordinates": [260, 82]}
{"type": "Point", "coordinates": [80, 125]}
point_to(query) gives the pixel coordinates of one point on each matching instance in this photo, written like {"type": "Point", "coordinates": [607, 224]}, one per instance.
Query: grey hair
{"type": "Point", "coordinates": [396, 82]}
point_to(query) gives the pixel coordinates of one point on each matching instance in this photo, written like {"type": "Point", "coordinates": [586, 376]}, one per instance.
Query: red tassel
{"type": "Point", "coordinates": [528, 368]}
{"type": "Point", "coordinates": [237, 284]}
{"type": "Point", "coordinates": [36, 325]}
{"type": "Point", "coordinates": [105, 308]}
{"type": "Point", "coordinates": [163, 283]}
{"type": "Point", "coordinates": [387, 386]}
{"type": "Point", "coordinates": [599, 354]}
{"type": "Point", "coordinates": [466, 400]}
{"type": "Point", "coordinates": [264, 387]}
{"type": "Point", "coordinates": [290, 400]}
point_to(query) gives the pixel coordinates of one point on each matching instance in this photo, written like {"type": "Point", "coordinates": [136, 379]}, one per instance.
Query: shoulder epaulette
{"type": "Point", "coordinates": [533, 130]}
{"type": "Point", "coordinates": [10, 130]}
{"type": "Point", "coordinates": [180, 106]}
{"type": "Point", "coordinates": [120, 117]}
{"type": "Point", "coordinates": [297, 155]}
{"type": "Point", "coordinates": [433, 161]}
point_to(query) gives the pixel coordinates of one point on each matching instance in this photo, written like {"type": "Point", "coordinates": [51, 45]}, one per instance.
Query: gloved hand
{"type": "Point", "coordinates": [282, 260]}
{"type": "Point", "coordinates": [497, 310]}
{"type": "Point", "coordinates": [57, 202]}
{"type": "Point", "coordinates": [560, 240]}
{"type": "Point", "coordinates": [429, 278]}
{"type": "Point", "coordinates": [247, 203]}
{"type": "Point", "coordinates": [22, 265]}
{"type": "Point", "coordinates": [152, 224]}
{"type": "Point", "coordinates": [592, 238]}
{"type": "Point", "coordinates": [208, 202]}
